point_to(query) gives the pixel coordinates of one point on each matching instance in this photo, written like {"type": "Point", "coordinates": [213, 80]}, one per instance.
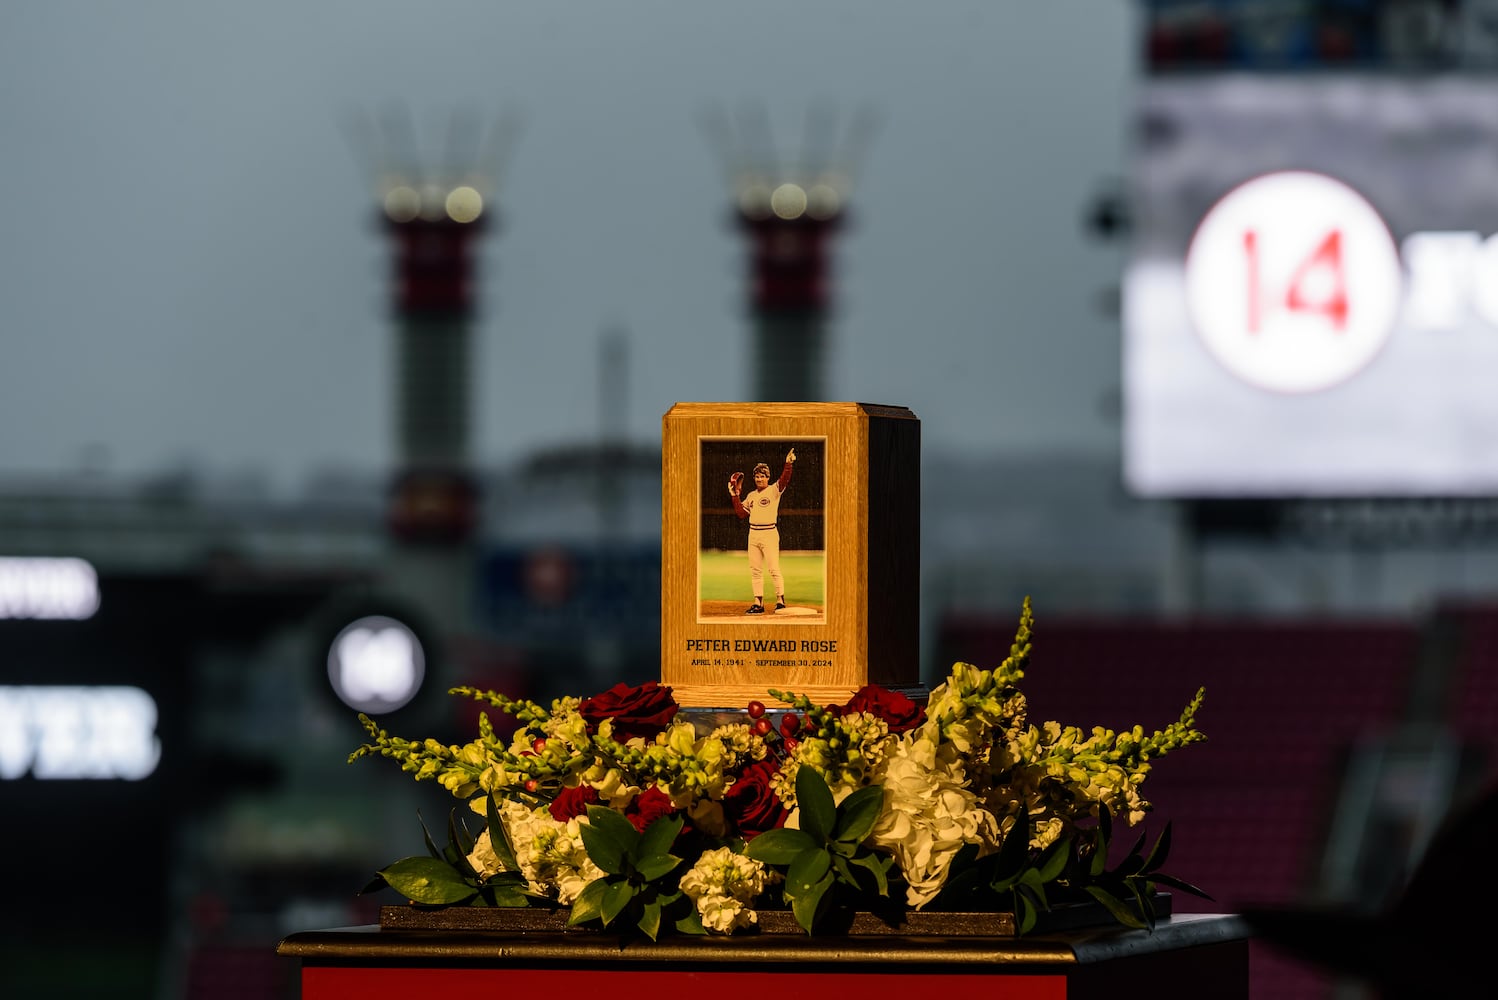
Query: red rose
{"type": "Point", "coordinates": [750, 805]}
{"type": "Point", "coordinates": [647, 807]}
{"type": "Point", "coordinates": [573, 802]}
{"type": "Point", "coordinates": [894, 708]}
{"type": "Point", "coordinates": [637, 711]}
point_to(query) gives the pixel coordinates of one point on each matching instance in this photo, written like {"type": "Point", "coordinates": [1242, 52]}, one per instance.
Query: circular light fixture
{"type": "Point", "coordinates": [376, 664]}
{"type": "Point", "coordinates": [464, 204]}
{"type": "Point", "coordinates": [754, 200]}
{"type": "Point", "coordinates": [402, 203]}
{"type": "Point", "coordinates": [823, 202]}
{"type": "Point", "coordinates": [788, 201]}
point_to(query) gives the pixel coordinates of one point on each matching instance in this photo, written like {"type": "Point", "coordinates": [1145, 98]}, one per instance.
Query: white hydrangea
{"type": "Point", "coordinates": [722, 884]}
{"type": "Point", "coordinates": [550, 854]}
{"type": "Point", "coordinates": [928, 816]}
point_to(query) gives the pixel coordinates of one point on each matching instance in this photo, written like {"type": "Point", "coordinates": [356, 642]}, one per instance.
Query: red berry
{"type": "Point", "coordinates": [539, 744]}
{"type": "Point", "coordinates": [761, 727]}
{"type": "Point", "coordinates": [756, 709]}
{"type": "Point", "coordinates": [531, 784]}
{"type": "Point", "coordinates": [789, 724]}
{"type": "Point", "coordinates": [791, 743]}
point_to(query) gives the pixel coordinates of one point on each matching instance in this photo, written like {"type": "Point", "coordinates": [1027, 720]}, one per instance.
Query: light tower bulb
{"type": "Point", "coordinates": [402, 203]}
{"type": "Point", "coordinates": [788, 201]}
{"type": "Point", "coordinates": [433, 201]}
{"type": "Point", "coordinates": [823, 201]}
{"type": "Point", "coordinates": [754, 200]}
{"type": "Point", "coordinates": [464, 204]}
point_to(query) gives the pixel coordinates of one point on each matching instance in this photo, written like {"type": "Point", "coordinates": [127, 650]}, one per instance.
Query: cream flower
{"type": "Point", "coordinates": [928, 816]}
{"type": "Point", "coordinates": [549, 854]}
{"type": "Point", "coordinates": [722, 884]}
{"type": "Point", "coordinates": [483, 859]}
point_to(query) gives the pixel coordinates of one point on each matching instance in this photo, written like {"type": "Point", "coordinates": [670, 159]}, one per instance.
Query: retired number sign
{"type": "Point", "coordinates": [1293, 281]}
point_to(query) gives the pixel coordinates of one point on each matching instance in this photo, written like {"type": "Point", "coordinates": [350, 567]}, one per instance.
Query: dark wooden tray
{"type": "Point", "coordinates": [528, 920]}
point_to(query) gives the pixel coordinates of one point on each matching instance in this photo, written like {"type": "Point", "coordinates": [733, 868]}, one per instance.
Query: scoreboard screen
{"type": "Point", "coordinates": [1311, 304]}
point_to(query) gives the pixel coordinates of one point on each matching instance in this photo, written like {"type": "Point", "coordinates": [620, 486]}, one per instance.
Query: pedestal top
{"type": "Point", "coordinates": [373, 945]}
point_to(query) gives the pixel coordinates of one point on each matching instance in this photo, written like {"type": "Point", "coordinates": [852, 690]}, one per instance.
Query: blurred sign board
{"type": "Point", "coordinates": [58, 732]}
{"type": "Point", "coordinates": [1311, 307]}
{"type": "Point", "coordinates": [546, 593]}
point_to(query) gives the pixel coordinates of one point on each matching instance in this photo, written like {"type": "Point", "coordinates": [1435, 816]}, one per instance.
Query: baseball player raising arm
{"type": "Point", "coordinates": [762, 508]}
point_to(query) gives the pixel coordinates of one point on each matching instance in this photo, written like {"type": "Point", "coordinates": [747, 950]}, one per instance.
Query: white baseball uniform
{"type": "Point", "coordinates": [762, 508]}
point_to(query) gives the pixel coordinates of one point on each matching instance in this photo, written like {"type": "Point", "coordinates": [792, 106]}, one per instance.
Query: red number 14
{"type": "Point", "coordinates": [1318, 285]}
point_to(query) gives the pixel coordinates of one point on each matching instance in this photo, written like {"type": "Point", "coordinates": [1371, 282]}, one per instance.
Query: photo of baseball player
{"type": "Point", "coordinates": [773, 530]}
{"type": "Point", "coordinates": [761, 508]}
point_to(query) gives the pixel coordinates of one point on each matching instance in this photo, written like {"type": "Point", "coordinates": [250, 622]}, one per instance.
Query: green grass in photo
{"type": "Point", "coordinates": [724, 576]}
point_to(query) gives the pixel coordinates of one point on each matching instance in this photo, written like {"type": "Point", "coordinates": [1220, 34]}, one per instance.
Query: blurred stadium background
{"type": "Point", "coordinates": [172, 745]}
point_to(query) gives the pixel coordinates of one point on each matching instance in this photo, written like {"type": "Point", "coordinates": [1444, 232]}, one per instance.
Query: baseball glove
{"type": "Point", "coordinates": [735, 483]}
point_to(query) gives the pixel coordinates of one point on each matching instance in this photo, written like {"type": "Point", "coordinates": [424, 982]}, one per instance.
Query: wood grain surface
{"type": "Point", "coordinates": [868, 628]}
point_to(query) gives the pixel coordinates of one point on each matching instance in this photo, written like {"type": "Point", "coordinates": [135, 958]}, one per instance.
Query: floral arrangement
{"type": "Point", "coordinates": [617, 809]}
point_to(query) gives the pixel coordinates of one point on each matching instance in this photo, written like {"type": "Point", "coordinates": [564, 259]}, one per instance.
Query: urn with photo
{"type": "Point", "coordinates": [789, 549]}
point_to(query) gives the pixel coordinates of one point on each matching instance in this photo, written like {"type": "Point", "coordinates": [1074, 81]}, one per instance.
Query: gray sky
{"type": "Point", "coordinates": [189, 270]}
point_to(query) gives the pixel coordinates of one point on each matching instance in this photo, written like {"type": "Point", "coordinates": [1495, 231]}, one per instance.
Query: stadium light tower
{"type": "Point", "coordinates": [790, 212]}
{"type": "Point", "coordinates": [434, 214]}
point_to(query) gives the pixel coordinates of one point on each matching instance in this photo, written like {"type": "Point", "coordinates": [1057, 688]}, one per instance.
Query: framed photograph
{"type": "Point", "coordinates": [762, 539]}
{"type": "Point", "coordinates": [789, 550]}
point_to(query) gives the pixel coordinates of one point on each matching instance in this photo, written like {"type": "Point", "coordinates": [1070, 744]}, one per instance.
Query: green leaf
{"type": "Point", "coordinates": [964, 858]}
{"type": "Point", "coordinates": [498, 839]}
{"type": "Point", "coordinates": [506, 880]}
{"type": "Point", "coordinates": [589, 903]}
{"type": "Point", "coordinates": [1116, 907]}
{"type": "Point", "coordinates": [1052, 861]}
{"type": "Point", "coordinates": [375, 885]}
{"type": "Point", "coordinates": [1035, 889]}
{"type": "Point", "coordinates": [1024, 913]}
{"type": "Point", "coordinates": [650, 920]}
{"type": "Point", "coordinates": [457, 856]}
{"type": "Point", "coordinates": [809, 868]}
{"type": "Point", "coordinates": [1014, 852]}
{"type": "Point", "coordinates": [808, 906]}
{"type": "Point", "coordinates": [615, 898]}
{"type": "Point", "coordinates": [427, 880]}
{"type": "Point", "coordinates": [658, 837]}
{"type": "Point", "coordinates": [690, 923]}
{"type": "Point", "coordinates": [427, 836]}
{"type": "Point", "coordinates": [1099, 860]}
{"type": "Point", "coordinates": [615, 825]}
{"type": "Point", "coordinates": [858, 814]}
{"type": "Point", "coordinates": [1142, 901]}
{"type": "Point", "coordinates": [1180, 884]}
{"type": "Point", "coordinates": [608, 838]}
{"type": "Point", "coordinates": [505, 896]}
{"type": "Point", "coordinates": [658, 866]}
{"type": "Point", "coordinates": [959, 888]}
{"type": "Point", "coordinates": [457, 834]}
{"type": "Point", "coordinates": [779, 847]}
{"type": "Point", "coordinates": [878, 867]}
{"type": "Point", "coordinates": [1159, 852]}
{"type": "Point", "coordinates": [814, 798]}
